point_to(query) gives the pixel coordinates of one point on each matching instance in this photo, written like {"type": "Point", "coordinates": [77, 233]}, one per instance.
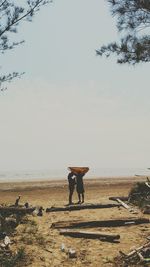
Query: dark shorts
{"type": "Point", "coordinates": [80, 188]}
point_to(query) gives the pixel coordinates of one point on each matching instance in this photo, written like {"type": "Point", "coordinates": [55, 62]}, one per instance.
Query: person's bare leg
{"type": "Point", "coordinates": [79, 197]}
{"type": "Point", "coordinates": [70, 197]}
{"type": "Point", "coordinates": [82, 197]}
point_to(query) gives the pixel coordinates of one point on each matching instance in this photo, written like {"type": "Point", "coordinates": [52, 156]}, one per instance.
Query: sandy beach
{"type": "Point", "coordinates": [91, 253]}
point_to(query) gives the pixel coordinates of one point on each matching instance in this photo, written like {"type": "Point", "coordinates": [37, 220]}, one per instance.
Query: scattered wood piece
{"type": "Point", "coordinates": [48, 250]}
{"type": "Point", "coordinates": [104, 223]}
{"type": "Point", "coordinates": [90, 235]}
{"type": "Point", "coordinates": [122, 254]}
{"type": "Point", "coordinates": [147, 184]}
{"type": "Point", "coordinates": [126, 206]}
{"type": "Point", "coordinates": [140, 256]}
{"type": "Point", "coordinates": [81, 207]}
{"type": "Point", "coordinates": [146, 209]}
{"type": "Point", "coordinates": [137, 256]}
{"type": "Point", "coordinates": [121, 198]}
{"type": "Point", "coordinates": [138, 249]}
{"type": "Point", "coordinates": [17, 201]}
{"type": "Point", "coordinates": [123, 204]}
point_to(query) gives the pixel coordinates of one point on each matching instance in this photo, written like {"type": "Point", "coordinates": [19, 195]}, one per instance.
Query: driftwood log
{"type": "Point", "coordinates": [104, 223]}
{"type": "Point", "coordinates": [121, 198]}
{"type": "Point", "coordinates": [90, 235]}
{"type": "Point", "coordinates": [82, 207]}
{"type": "Point", "coordinates": [15, 210]}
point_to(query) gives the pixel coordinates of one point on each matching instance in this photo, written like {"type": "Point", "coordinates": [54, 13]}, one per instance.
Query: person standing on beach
{"type": "Point", "coordinates": [80, 187]}
{"type": "Point", "coordinates": [72, 182]}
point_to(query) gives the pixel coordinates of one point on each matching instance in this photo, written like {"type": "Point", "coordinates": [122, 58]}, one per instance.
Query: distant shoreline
{"type": "Point", "coordinates": [61, 174]}
{"type": "Point", "coordinates": [14, 185]}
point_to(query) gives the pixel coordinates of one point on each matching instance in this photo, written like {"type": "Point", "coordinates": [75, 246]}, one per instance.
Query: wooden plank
{"type": "Point", "coordinates": [123, 204]}
{"type": "Point", "coordinates": [130, 209]}
{"type": "Point", "coordinates": [90, 235]}
{"type": "Point", "coordinates": [147, 184]}
{"type": "Point", "coordinates": [104, 223]}
{"type": "Point", "coordinates": [82, 207]}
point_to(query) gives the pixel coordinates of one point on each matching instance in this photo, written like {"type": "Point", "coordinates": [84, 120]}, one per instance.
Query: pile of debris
{"type": "Point", "coordinates": [10, 217]}
{"type": "Point", "coordinates": [138, 257]}
{"type": "Point", "coordinates": [140, 194]}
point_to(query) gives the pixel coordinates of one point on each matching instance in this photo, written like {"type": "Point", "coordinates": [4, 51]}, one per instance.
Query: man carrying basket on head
{"type": "Point", "coordinates": [79, 172]}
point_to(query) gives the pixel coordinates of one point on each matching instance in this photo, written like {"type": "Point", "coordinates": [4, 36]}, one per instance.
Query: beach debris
{"type": "Point", "coordinates": [26, 205]}
{"type": "Point", "coordinates": [2, 235]}
{"type": "Point", "coordinates": [17, 201]}
{"type": "Point", "coordinates": [104, 223]}
{"type": "Point", "coordinates": [91, 235]}
{"type": "Point", "coordinates": [40, 212]}
{"type": "Point", "coordinates": [140, 194]}
{"type": "Point", "coordinates": [126, 206]}
{"type": "Point", "coordinates": [6, 211]}
{"type": "Point", "coordinates": [82, 207]}
{"type": "Point", "coordinates": [6, 242]}
{"type": "Point", "coordinates": [135, 257]}
{"type": "Point", "coordinates": [120, 197]}
{"type": "Point", "coordinates": [35, 211]}
{"type": "Point", "coordinates": [7, 222]}
{"type": "Point", "coordinates": [63, 247]}
{"type": "Point", "coordinates": [146, 209]}
{"type": "Point", "coordinates": [72, 253]}
{"type": "Point", "coordinates": [123, 204]}
{"type": "Point", "coordinates": [11, 222]}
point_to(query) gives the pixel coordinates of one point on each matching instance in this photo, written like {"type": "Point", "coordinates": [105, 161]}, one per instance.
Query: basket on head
{"type": "Point", "coordinates": [78, 170]}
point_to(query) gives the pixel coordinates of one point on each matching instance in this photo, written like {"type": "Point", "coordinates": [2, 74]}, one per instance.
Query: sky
{"type": "Point", "coordinates": [72, 107]}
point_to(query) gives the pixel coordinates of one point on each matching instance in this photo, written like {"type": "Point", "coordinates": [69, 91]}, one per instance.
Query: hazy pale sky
{"type": "Point", "coordinates": [73, 107]}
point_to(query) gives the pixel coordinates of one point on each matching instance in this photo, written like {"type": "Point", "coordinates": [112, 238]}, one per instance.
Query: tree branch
{"type": "Point", "coordinates": [21, 18]}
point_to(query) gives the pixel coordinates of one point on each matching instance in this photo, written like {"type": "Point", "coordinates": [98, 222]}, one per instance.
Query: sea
{"type": "Point", "coordinates": [37, 175]}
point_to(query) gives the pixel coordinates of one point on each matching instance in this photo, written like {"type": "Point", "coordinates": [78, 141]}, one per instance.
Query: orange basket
{"type": "Point", "coordinates": [78, 170]}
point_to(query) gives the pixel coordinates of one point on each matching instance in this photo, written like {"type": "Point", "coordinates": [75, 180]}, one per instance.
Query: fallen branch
{"type": "Point", "coordinates": [82, 207]}
{"type": "Point", "coordinates": [138, 255]}
{"type": "Point", "coordinates": [91, 235]}
{"type": "Point", "coordinates": [105, 223]}
{"type": "Point", "coordinates": [138, 249]}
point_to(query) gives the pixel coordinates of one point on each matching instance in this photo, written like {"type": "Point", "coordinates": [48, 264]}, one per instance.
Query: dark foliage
{"type": "Point", "coordinates": [140, 195]}
{"type": "Point", "coordinates": [133, 21]}
{"type": "Point", "coordinates": [9, 259]}
{"type": "Point", "coordinates": [12, 13]}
